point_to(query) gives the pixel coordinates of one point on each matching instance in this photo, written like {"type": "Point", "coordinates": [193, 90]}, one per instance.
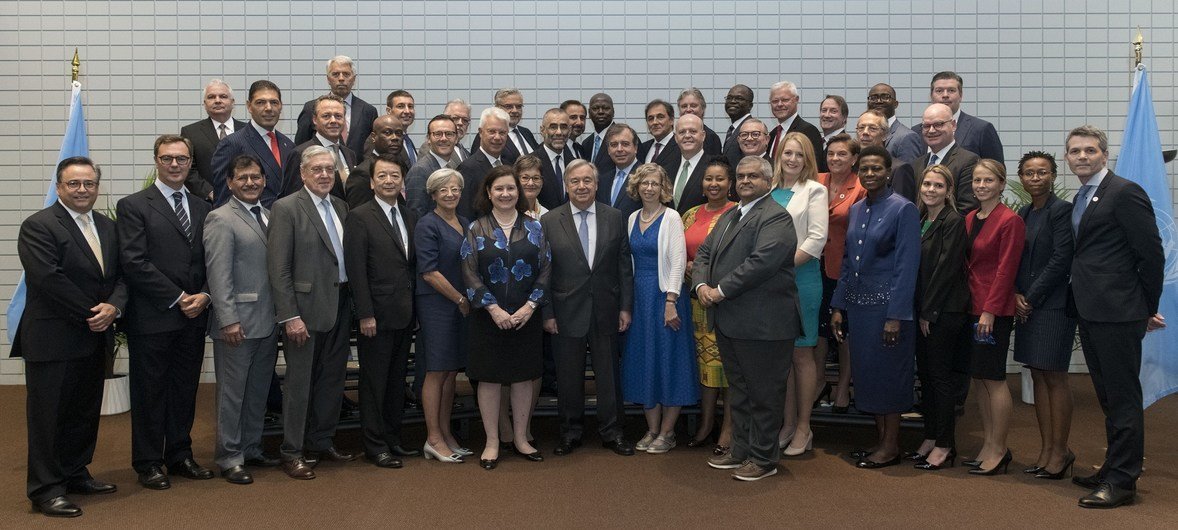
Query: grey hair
{"type": "Point", "coordinates": [789, 86]}
{"type": "Point", "coordinates": [341, 59]}
{"type": "Point", "coordinates": [494, 112]}
{"type": "Point", "coordinates": [458, 101]}
{"type": "Point", "coordinates": [504, 92]}
{"type": "Point", "coordinates": [692, 91]}
{"type": "Point", "coordinates": [314, 151]}
{"type": "Point", "coordinates": [765, 168]}
{"type": "Point", "coordinates": [213, 82]}
{"type": "Point", "coordinates": [439, 178]}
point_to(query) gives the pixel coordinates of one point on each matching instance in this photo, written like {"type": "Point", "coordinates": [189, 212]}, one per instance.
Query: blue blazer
{"type": "Point", "coordinates": [1047, 255]}
{"type": "Point", "coordinates": [247, 141]}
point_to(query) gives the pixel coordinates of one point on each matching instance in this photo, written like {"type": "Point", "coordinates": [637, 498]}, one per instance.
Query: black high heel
{"type": "Point", "coordinates": [972, 463]}
{"type": "Point", "coordinates": [948, 462]}
{"type": "Point", "coordinates": [1033, 470]}
{"type": "Point", "coordinates": [1001, 468]}
{"type": "Point", "coordinates": [915, 456]}
{"type": "Point", "coordinates": [824, 394]}
{"type": "Point", "coordinates": [489, 464]}
{"type": "Point", "coordinates": [1067, 467]}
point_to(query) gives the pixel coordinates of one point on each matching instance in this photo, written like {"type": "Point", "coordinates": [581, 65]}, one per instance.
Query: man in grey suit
{"type": "Point", "coordinates": [442, 134]}
{"type": "Point", "coordinates": [939, 131]}
{"type": "Point", "coordinates": [309, 281]}
{"type": "Point", "coordinates": [903, 144]}
{"type": "Point", "coordinates": [245, 340]}
{"type": "Point", "coordinates": [207, 133]}
{"type": "Point", "coordinates": [743, 273]}
{"type": "Point", "coordinates": [592, 296]}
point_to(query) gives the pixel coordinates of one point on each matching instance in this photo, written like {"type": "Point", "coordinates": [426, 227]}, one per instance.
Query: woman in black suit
{"type": "Point", "coordinates": [1043, 332]}
{"type": "Point", "coordinates": [942, 300]}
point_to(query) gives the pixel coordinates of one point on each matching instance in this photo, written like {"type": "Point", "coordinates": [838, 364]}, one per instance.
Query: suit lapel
{"type": "Point", "coordinates": [71, 226]}
{"type": "Point", "coordinates": [935, 226]}
{"type": "Point", "coordinates": [164, 206]}
{"type": "Point", "coordinates": [730, 234]}
{"type": "Point", "coordinates": [570, 228]}
{"type": "Point", "coordinates": [1094, 202]}
{"type": "Point", "coordinates": [604, 233]}
{"type": "Point", "coordinates": [385, 222]}
{"type": "Point", "coordinates": [308, 205]}
{"type": "Point", "coordinates": [247, 217]}
{"type": "Point", "coordinates": [206, 128]}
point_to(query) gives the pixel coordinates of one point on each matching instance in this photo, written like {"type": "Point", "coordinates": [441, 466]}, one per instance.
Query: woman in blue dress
{"type": "Point", "coordinates": [876, 288]}
{"type": "Point", "coordinates": [658, 362]}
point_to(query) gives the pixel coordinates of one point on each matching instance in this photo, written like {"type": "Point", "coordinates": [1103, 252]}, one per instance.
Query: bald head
{"type": "Point", "coordinates": [937, 126]}
{"type": "Point", "coordinates": [689, 134]}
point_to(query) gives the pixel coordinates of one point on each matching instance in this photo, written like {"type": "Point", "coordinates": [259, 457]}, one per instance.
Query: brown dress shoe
{"type": "Point", "coordinates": [298, 469]}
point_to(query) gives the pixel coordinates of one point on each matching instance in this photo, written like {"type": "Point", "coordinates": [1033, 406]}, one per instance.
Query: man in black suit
{"type": "Point", "coordinates": [900, 141]}
{"type": "Point", "coordinates": [832, 119]}
{"type": "Point", "coordinates": [744, 275]}
{"type": "Point", "coordinates": [938, 130]}
{"type": "Point", "coordinates": [753, 138]}
{"type": "Point", "coordinates": [601, 113]}
{"type": "Point", "coordinates": [973, 133]}
{"type": "Point", "coordinates": [379, 258]}
{"type": "Point", "coordinates": [161, 250]}
{"type": "Point", "coordinates": [737, 104]}
{"type": "Point", "coordinates": [555, 154]}
{"type": "Point", "coordinates": [622, 143]}
{"type": "Point", "coordinates": [70, 255]}
{"type": "Point", "coordinates": [687, 177]}
{"type": "Point", "coordinates": [661, 148]}
{"type": "Point", "coordinates": [783, 101]}
{"type": "Point", "coordinates": [1117, 275]}
{"type": "Point", "coordinates": [592, 296]}
{"type": "Point", "coordinates": [259, 139]}
{"type": "Point", "coordinates": [691, 101]}
{"type": "Point", "coordinates": [441, 153]}
{"type": "Point", "coordinates": [493, 131]}
{"type": "Point", "coordinates": [401, 105]}
{"type": "Point", "coordinates": [329, 125]}
{"type": "Point", "coordinates": [521, 141]}
{"type": "Point", "coordinates": [577, 116]}
{"type": "Point", "coordinates": [207, 133]}
{"type": "Point", "coordinates": [388, 134]}
{"type": "Point", "coordinates": [358, 114]}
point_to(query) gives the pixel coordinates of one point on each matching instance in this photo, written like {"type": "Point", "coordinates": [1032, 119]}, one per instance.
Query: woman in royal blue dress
{"type": "Point", "coordinates": [658, 362]}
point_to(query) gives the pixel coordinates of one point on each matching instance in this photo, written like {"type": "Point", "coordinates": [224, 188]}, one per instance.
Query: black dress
{"type": "Point", "coordinates": [507, 273]}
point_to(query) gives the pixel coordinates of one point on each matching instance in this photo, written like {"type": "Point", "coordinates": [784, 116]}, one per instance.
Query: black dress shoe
{"type": "Point", "coordinates": [188, 468]}
{"type": "Point", "coordinates": [1090, 481]}
{"type": "Point", "coordinates": [91, 487]}
{"type": "Point", "coordinates": [859, 454]}
{"type": "Point", "coordinates": [154, 479]}
{"type": "Point", "coordinates": [915, 456]}
{"type": "Point", "coordinates": [237, 475]}
{"type": "Point", "coordinates": [1032, 470]}
{"type": "Point", "coordinates": [530, 457]}
{"type": "Point", "coordinates": [331, 453]}
{"type": "Point", "coordinates": [1107, 496]}
{"type": "Point", "coordinates": [566, 447]}
{"type": "Point", "coordinates": [385, 460]}
{"type": "Point", "coordinates": [489, 464]}
{"type": "Point", "coordinates": [870, 464]}
{"type": "Point", "coordinates": [401, 451]}
{"type": "Point", "coordinates": [263, 461]}
{"type": "Point", "coordinates": [619, 446]}
{"type": "Point", "coordinates": [58, 506]}
{"type": "Point", "coordinates": [298, 469]}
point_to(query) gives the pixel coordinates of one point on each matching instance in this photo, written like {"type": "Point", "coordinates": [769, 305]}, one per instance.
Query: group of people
{"type": "Point", "coordinates": [682, 266]}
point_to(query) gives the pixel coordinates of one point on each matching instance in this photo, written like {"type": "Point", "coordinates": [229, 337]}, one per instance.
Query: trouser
{"type": "Point", "coordinates": [384, 360]}
{"type": "Point", "coordinates": [569, 353]}
{"type": "Point", "coordinates": [314, 384]}
{"type": "Point", "coordinates": [1112, 351]}
{"type": "Point", "coordinates": [165, 373]}
{"type": "Point", "coordinates": [62, 407]}
{"type": "Point", "coordinates": [243, 373]}
{"type": "Point", "coordinates": [757, 371]}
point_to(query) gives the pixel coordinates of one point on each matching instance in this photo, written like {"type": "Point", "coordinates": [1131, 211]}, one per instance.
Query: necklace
{"type": "Point", "coordinates": [509, 224]}
{"type": "Point", "coordinates": [645, 220]}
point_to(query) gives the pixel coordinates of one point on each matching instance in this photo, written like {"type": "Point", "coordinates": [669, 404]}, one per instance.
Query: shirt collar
{"type": "Point", "coordinates": [740, 121]}
{"type": "Point", "coordinates": [785, 125]}
{"type": "Point", "coordinates": [553, 154]}
{"type": "Point", "coordinates": [490, 158]}
{"type": "Point", "coordinates": [167, 190]}
{"type": "Point", "coordinates": [891, 121]}
{"type": "Point", "coordinates": [384, 205]}
{"type": "Point", "coordinates": [941, 154]}
{"type": "Point", "coordinates": [592, 209]}
{"type": "Point", "coordinates": [957, 116]}
{"type": "Point", "coordinates": [324, 141]}
{"type": "Point", "coordinates": [1096, 179]}
{"type": "Point", "coordinates": [74, 215]}
{"type": "Point", "coordinates": [744, 208]}
{"type": "Point", "coordinates": [317, 199]}
{"type": "Point", "coordinates": [246, 204]}
{"type": "Point", "coordinates": [261, 130]}
{"type": "Point", "coordinates": [695, 159]}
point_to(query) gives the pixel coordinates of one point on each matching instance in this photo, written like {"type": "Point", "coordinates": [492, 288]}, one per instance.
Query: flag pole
{"type": "Point", "coordinates": [76, 63]}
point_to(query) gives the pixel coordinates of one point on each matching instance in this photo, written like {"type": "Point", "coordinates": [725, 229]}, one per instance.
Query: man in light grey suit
{"type": "Point", "coordinates": [245, 341]}
{"type": "Point", "coordinates": [442, 134]}
{"type": "Point", "coordinates": [743, 274]}
{"type": "Point", "coordinates": [305, 259]}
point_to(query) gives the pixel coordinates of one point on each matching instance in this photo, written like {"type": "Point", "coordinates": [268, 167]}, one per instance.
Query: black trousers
{"type": "Point", "coordinates": [384, 361]}
{"type": "Point", "coordinates": [940, 359]}
{"type": "Point", "coordinates": [570, 382]}
{"type": "Point", "coordinates": [63, 404]}
{"type": "Point", "coordinates": [165, 372]}
{"type": "Point", "coordinates": [756, 372]}
{"type": "Point", "coordinates": [1113, 353]}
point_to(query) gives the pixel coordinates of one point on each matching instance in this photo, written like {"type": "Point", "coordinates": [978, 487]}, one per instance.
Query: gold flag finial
{"type": "Point", "coordinates": [75, 63]}
{"type": "Point", "coordinates": [1138, 43]}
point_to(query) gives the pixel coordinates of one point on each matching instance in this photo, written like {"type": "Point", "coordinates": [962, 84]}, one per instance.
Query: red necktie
{"type": "Point", "coordinates": [274, 147]}
{"type": "Point", "coordinates": [777, 132]}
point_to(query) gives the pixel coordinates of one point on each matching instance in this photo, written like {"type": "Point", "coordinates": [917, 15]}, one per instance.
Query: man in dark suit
{"type": "Point", "coordinates": [1117, 275]}
{"type": "Point", "coordinates": [207, 133]}
{"type": "Point", "coordinates": [601, 113]}
{"type": "Point", "coordinates": [592, 296]}
{"type": "Point", "coordinates": [358, 114]}
{"type": "Point", "coordinates": [161, 249]}
{"type": "Point", "coordinates": [309, 281]}
{"type": "Point", "coordinates": [401, 105]}
{"type": "Point", "coordinates": [555, 154]}
{"type": "Point", "coordinates": [388, 134]}
{"type": "Point", "coordinates": [622, 144]}
{"type": "Point", "coordinates": [379, 257]}
{"type": "Point", "coordinates": [661, 148]}
{"type": "Point", "coordinates": [737, 104]}
{"type": "Point", "coordinates": [577, 116]}
{"type": "Point", "coordinates": [938, 130]}
{"type": "Point", "coordinates": [459, 112]}
{"type": "Point", "coordinates": [70, 255]}
{"type": "Point", "coordinates": [329, 125]}
{"type": "Point", "coordinates": [241, 322]}
{"type": "Point", "coordinates": [783, 101]}
{"type": "Point", "coordinates": [493, 130]}
{"type": "Point", "coordinates": [442, 153]}
{"type": "Point", "coordinates": [259, 139]}
{"type": "Point", "coordinates": [744, 275]}
{"type": "Point", "coordinates": [974, 134]}
{"type": "Point", "coordinates": [903, 144]}
{"type": "Point", "coordinates": [753, 138]}
{"type": "Point", "coordinates": [832, 119]}
{"type": "Point", "coordinates": [691, 101]}
{"type": "Point", "coordinates": [521, 141]}
{"type": "Point", "coordinates": [687, 177]}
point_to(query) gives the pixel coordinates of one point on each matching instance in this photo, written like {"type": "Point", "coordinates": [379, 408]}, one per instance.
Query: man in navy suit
{"type": "Point", "coordinates": [783, 101]}
{"type": "Point", "coordinates": [691, 101]}
{"type": "Point", "coordinates": [661, 148]}
{"type": "Point", "coordinates": [622, 142]}
{"type": "Point", "coordinates": [738, 105]}
{"type": "Point", "coordinates": [903, 144]}
{"type": "Point", "coordinates": [973, 133]}
{"type": "Point", "coordinates": [259, 139]}
{"type": "Point", "coordinates": [577, 116]}
{"type": "Point", "coordinates": [207, 133]}
{"type": "Point", "coordinates": [1116, 278]}
{"type": "Point", "coordinates": [442, 153]}
{"type": "Point", "coordinates": [400, 104]}
{"type": "Point", "coordinates": [601, 113]}
{"type": "Point", "coordinates": [358, 114]}
{"type": "Point", "coordinates": [555, 155]}
{"type": "Point", "coordinates": [493, 130]}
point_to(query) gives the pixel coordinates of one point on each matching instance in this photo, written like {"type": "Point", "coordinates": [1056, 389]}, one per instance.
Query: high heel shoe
{"type": "Point", "coordinates": [790, 450]}
{"type": "Point", "coordinates": [915, 456]}
{"type": "Point", "coordinates": [824, 394]}
{"type": "Point", "coordinates": [998, 469]}
{"type": "Point", "coordinates": [869, 464]}
{"type": "Point", "coordinates": [928, 466]}
{"type": "Point", "coordinates": [972, 463]}
{"type": "Point", "coordinates": [1067, 467]}
{"type": "Point", "coordinates": [1033, 470]}
{"type": "Point", "coordinates": [782, 443]}
{"type": "Point", "coordinates": [489, 464]}
{"type": "Point", "coordinates": [462, 451]}
{"type": "Point", "coordinates": [534, 456]}
{"type": "Point", "coordinates": [428, 452]}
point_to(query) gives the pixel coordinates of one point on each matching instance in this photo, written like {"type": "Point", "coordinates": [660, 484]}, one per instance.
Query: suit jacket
{"type": "Point", "coordinates": [158, 260]}
{"type": "Point", "coordinates": [358, 188]}
{"type": "Point", "coordinates": [303, 267]}
{"type": "Point", "coordinates": [553, 192]}
{"type": "Point", "coordinates": [246, 140]}
{"type": "Point", "coordinates": [731, 149]}
{"type": "Point", "coordinates": [752, 264]}
{"type": "Point", "coordinates": [811, 132]}
{"type": "Point", "coordinates": [994, 259]}
{"type": "Point", "coordinates": [903, 144]}
{"type": "Point", "coordinates": [294, 180]}
{"type": "Point", "coordinates": [943, 286]}
{"type": "Point", "coordinates": [1047, 255]}
{"type": "Point", "coordinates": [380, 274]}
{"type": "Point", "coordinates": [363, 114]}
{"type": "Point", "coordinates": [693, 193]}
{"type": "Point", "coordinates": [473, 170]}
{"type": "Point", "coordinates": [204, 140]}
{"type": "Point", "coordinates": [1118, 265]}
{"type": "Point", "coordinates": [510, 151]}
{"type": "Point", "coordinates": [712, 143]}
{"type": "Point", "coordinates": [235, 261]}
{"type": "Point", "coordinates": [64, 281]}
{"type": "Point", "coordinates": [416, 197]}
{"type": "Point", "coordinates": [960, 162]}
{"type": "Point", "coordinates": [603, 161]}
{"type": "Point", "coordinates": [581, 293]}
{"type": "Point", "coordinates": [974, 134]}
{"type": "Point", "coordinates": [669, 156]}
{"type": "Point", "coordinates": [624, 202]}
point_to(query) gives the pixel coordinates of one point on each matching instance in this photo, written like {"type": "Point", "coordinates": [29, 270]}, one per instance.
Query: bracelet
{"type": "Point", "coordinates": [669, 301]}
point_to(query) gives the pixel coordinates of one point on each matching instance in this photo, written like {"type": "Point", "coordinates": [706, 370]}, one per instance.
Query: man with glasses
{"type": "Point", "coordinates": [783, 101]}
{"type": "Point", "coordinates": [737, 104]}
{"type": "Point", "coordinates": [753, 139]}
{"type": "Point", "coordinates": [259, 138]}
{"type": "Point", "coordinates": [900, 141]}
{"type": "Point", "coordinates": [973, 133]}
{"type": "Point", "coordinates": [521, 141]}
{"type": "Point", "coordinates": [938, 129]}
{"type": "Point", "coordinates": [459, 112]}
{"type": "Point", "coordinates": [442, 134]}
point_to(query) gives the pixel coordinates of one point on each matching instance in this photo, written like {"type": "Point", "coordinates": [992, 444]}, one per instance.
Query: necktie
{"type": "Point", "coordinates": [222, 129]}
{"type": "Point", "coordinates": [681, 180]}
{"type": "Point", "coordinates": [732, 223]}
{"type": "Point", "coordinates": [343, 137]}
{"type": "Point", "coordinates": [560, 175]}
{"type": "Point", "coordinates": [496, 163]}
{"type": "Point", "coordinates": [619, 184]}
{"type": "Point", "coordinates": [932, 160]}
{"type": "Point", "coordinates": [596, 146]}
{"type": "Point", "coordinates": [453, 162]}
{"type": "Point", "coordinates": [658, 146]}
{"type": "Point", "coordinates": [274, 147]}
{"type": "Point", "coordinates": [333, 235]}
{"type": "Point", "coordinates": [397, 230]}
{"type": "Point", "coordinates": [728, 137]}
{"type": "Point", "coordinates": [773, 145]}
{"type": "Point", "coordinates": [340, 166]}
{"type": "Point", "coordinates": [257, 211]}
{"type": "Point", "coordinates": [92, 239]}
{"type": "Point", "coordinates": [1078, 208]}
{"type": "Point", "coordinates": [182, 215]}
{"type": "Point", "coordinates": [524, 148]}
{"type": "Point", "coordinates": [583, 233]}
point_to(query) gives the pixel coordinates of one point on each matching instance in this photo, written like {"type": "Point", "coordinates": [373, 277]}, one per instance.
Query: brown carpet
{"type": "Point", "coordinates": [595, 488]}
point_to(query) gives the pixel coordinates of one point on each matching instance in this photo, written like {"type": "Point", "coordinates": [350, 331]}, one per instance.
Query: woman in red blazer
{"type": "Point", "coordinates": [996, 236]}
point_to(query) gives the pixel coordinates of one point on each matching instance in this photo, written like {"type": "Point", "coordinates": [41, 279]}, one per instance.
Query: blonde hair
{"type": "Point", "coordinates": [942, 171]}
{"type": "Point", "coordinates": [809, 161]}
{"type": "Point", "coordinates": [646, 170]}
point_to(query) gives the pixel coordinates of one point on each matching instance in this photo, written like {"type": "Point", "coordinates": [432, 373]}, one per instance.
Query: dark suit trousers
{"type": "Point", "coordinates": [315, 374]}
{"type": "Point", "coordinates": [570, 382]}
{"type": "Point", "coordinates": [1113, 353]}
{"type": "Point", "coordinates": [64, 399]}
{"type": "Point", "coordinates": [756, 372]}
{"type": "Point", "coordinates": [939, 357]}
{"type": "Point", "coordinates": [384, 360]}
{"type": "Point", "coordinates": [243, 383]}
{"type": "Point", "coordinates": [165, 372]}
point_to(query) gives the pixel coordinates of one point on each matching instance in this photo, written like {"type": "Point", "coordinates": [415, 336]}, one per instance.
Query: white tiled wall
{"type": "Point", "coordinates": [1034, 68]}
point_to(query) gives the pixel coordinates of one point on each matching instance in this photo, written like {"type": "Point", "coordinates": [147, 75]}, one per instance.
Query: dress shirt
{"type": "Point", "coordinates": [442, 162]}
{"type": "Point", "coordinates": [695, 160]}
{"type": "Point", "coordinates": [491, 159]}
{"type": "Point", "coordinates": [1094, 181]}
{"type": "Point", "coordinates": [90, 217]}
{"type": "Point", "coordinates": [339, 225]}
{"type": "Point", "coordinates": [347, 113]}
{"type": "Point", "coordinates": [739, 121]}
{"type": "Point", "coordinates": [592, 220]}
{"type": "Point", "coordinates": [247, 207]}
{"type": "Point", "coordinates": [552, 158]}
{"type": "Point", "coordinates": [167, 191]}
{"type": "Point", "coordinates": [891, 121]}
{"type": "Point", "coordinates": [785, 125]}
{"type": "Point", "coordinates": [661, 144]}
{"type": "Point", "coordinates": [517, 136]}
{"type": "Point", "coordinates": [941, 154]}
{"type": "Point", "coordinates": [386, 208]}
{"type": "Point", "coordinates": [826, 137]}
{"type": "Point", "coordinates": [228, 126]}
{"type": "Point", "coordinates": [263, 132]}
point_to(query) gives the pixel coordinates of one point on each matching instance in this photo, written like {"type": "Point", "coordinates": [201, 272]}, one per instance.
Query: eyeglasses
{"type": "Point", "coordinates": [880, 97]}
{"type": "Point", "coordinates": [1041, 173]}
{"type": "Point", "coordinates": [319, 170]}
{"type": "Point", "coordinates": [936, 124]}
{"type": "Point", "coordinates": [868, 128]}
{"type": "Point", "coordinates": [750, 135]}
{"type": "Point", "coordinates": [89, 185]}
{"type": "Point", "coordinates": [182, 160]}
{"type": "Point", "coordinates": [443, 134]}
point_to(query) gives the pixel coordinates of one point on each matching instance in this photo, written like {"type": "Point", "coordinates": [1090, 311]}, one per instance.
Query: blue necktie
{"type": "Point", "coordinates": [583, 233]}
{"type": "Point", "coordinates": [329, 221]}
{"type": "Point", "coordinates": [1078, 208]}
{"type": "Point", "coordinates": [619, 183]}
{"type": "Point", "coordinates": [596, 146]}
